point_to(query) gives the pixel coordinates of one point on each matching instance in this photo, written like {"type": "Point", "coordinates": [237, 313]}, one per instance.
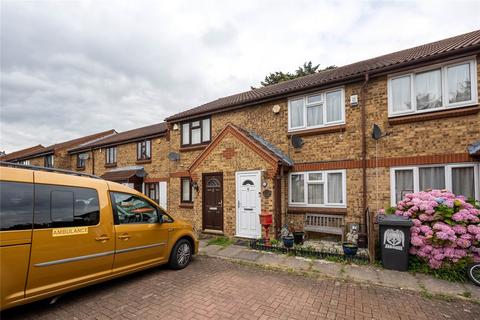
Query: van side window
{"type": "Point", "coordinates": [132, 209]}
{"type": "Point", "coordinates": [61, 206]}
{"type": "Point", "coordinates": [16, 205]}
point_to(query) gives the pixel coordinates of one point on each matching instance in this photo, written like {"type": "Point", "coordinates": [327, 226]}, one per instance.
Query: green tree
{"type": "Point", "coordinates": [280, 76]}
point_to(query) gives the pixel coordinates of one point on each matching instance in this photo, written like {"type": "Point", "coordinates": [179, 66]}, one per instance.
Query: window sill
{"type": "Point", "coordinates": [303, 210]}
{"type": "Point", "coordinates": [143, 161]}
{"type": "Point", "coordinates": [110, 165]}
{"type": "Point", "coordinates": [193, 148]}
{"type": "Point", "coordinates": [317, 131]}
{"type": "Point", "coordinates": [80, 168]}
{"type": "Point", "coordinates": [434, 115]}
{"type": "Point", "coordinates": [186, 205]}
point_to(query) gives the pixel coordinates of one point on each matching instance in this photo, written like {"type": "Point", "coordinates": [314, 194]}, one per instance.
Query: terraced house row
{"type": "Point", "coordinates": [316, 151]}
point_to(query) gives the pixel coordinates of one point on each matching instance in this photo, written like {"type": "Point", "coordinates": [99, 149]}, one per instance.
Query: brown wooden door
{"type": "Point", "coordinates": [213, 201]}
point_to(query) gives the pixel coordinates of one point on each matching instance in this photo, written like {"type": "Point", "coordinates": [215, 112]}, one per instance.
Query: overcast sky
{"type": "Point", "coordinates": [72, 68]}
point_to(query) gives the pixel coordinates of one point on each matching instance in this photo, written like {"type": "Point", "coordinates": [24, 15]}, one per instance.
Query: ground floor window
{"type": "Point", "coordinates": [151, 191]}
{"type": "Point", "coordinates": [318, 188]}
{"type": "Point", "coordinates": [186, 190]}
{"type": "Point", "coordinates": [461, 179]}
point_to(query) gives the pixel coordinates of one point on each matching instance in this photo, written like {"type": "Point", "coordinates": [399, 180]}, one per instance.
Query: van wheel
{"type": "Point", "coordinates": [181, 254]}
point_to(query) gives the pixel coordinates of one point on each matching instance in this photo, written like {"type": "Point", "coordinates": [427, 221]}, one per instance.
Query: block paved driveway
{"type": "Point", "coordinates": [216, 289]}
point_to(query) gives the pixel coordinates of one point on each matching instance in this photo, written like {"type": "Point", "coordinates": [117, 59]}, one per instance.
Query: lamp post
{"type": "Point", "coordinates": [266, 222]}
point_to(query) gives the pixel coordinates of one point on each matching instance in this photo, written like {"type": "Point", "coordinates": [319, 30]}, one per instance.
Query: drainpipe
{"type": "Point", "coordinates": [278, 201]}
{"type": "Point", "coordinates": [364, 143]}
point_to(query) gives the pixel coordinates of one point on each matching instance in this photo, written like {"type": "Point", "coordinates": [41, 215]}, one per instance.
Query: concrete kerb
{"type": "Point", "coordinates": [346, 272]}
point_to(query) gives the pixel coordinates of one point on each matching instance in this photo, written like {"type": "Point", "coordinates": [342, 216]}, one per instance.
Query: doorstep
{"type": "Point", "coordinates": [347, 272]}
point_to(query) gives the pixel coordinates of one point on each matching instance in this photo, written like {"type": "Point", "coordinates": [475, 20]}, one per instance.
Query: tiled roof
{"type": "Point", "coordinates": [23, 153]}
{"type": "Point", "coordinates": [122, 174]}
{"type": "Point", "coordinates": [269, 147]}
{"type": "Point", "coordinates": [468, 42]}
{"type": "Point", "coordinates": [40, 150]}
{"type": "Point", "coordinates": [143, 132]}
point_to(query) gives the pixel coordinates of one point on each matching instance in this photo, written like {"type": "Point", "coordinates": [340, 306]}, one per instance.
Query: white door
{"type": "Point", "coordinates": [248, 204]}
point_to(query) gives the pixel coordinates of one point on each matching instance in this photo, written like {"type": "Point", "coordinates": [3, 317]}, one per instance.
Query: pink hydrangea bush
{"type": "Point", "coordinates": [446, 228]}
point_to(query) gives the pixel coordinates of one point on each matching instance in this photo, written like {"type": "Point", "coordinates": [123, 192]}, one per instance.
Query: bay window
{"type": "Point", "coordinates": [461, 179]}
{"type": "Point", "coordinates": [435, 88]}
{"type": "Point", "coordinates": [195, 132]}
{"type": "Point", "coordinates": [316, 110]}
{"type": "Point", "coordinates": [318, 189]}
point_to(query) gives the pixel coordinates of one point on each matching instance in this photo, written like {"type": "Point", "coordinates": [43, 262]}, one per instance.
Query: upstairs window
{"type": "Point", "coordinates": [26, 162]}
{"type": "Point", "coordinates": [81, 158]}
{"type": "Point", "coordinates": [195, 132]}
{"type": "Point", "coordinates": [441, 87]}
{"type": "Point", "coordinates": [318, 189]}
{"type": "Point", "coordinates": [144, 150]}
{"type": "Point", "coordinates": [317, 110]}
{"type": "Point", "coordinates": [111, 155]}
{"type": "Point", "coordinates": [48, 161]}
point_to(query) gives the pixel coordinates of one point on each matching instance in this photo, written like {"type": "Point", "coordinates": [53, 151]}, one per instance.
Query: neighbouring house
{"type": "Point", "coordinates": [137, 158]}
{"type": "Point", "coordinates": [307, 151]}
{"type": "Point", "coordinates": [53, 156]}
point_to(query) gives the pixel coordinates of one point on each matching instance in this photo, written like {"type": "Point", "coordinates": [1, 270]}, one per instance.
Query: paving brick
{"type": "Point", "coordinates": [218, 289]}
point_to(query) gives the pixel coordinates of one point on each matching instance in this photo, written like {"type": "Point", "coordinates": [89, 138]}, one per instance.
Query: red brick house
{"type": "Point", "coordinates": [303, 149]}
{"type": "Point", "coordinates": [55, 155]}
{"type": "Point", "coordinates": [137, 158]}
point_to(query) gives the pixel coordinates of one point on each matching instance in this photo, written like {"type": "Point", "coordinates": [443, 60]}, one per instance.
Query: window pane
{"type": "Point", "coordinates": [148, 147]}
{"type": "Point", "coordinates": [463, 182]}
{"type": "Point", "coordinates": [195, 124]}
{"type": "Point", "coordinates": [459, 84]}
{"type": "Point", "coordinates": [139, 150]}
{"type": "Point", "coordinates": [186, 133]}
{"type": "Point", "coordinates": [315, 193]}
{"type": "Point", "coordinates": [428, 90]}
{"type": "Point", "coordinates": [334, 106]}
{"type": "Point", "coordinates": [335, 193]}
{"type": "Point", "coordinates": [186, 190]}
{"type": "Point", "coordinates": [298, 191]}
{"type": "Point", "coordinates": [87, 210]}
{"type": "Point", "coordinates": [316, 176]}
{"type": "Point", "coordinates": [205, 130]}
{"type": "Point", "coordinates": [296, 113]}
{"type": "Point", "coordinates": [401, 94]}
{"type": "Point", "coordinates": [132, 209]}
{"type": "Point", "coordinates": [403, 184]}
{"type": "Point", "coordinates": [314, 115]}
{"type": "Point", "coordinates": [196, 136]}
{"type": "Point", "coordinates": [62, 206]}
{"type": "Point", "coordinates": [313, 99]}
{"type": "Point", "coordinates": [432, 178]}
{"type": "Point", "coordinates": [16, 206]}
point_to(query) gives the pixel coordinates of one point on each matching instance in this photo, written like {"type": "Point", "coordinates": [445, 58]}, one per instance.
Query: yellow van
{"type": "Point", "coordinates": [60, 232]}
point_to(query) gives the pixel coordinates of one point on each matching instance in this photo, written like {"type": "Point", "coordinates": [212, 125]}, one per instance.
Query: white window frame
{"type": "Point", "coordinates": [324, 181]}
{"type": "Point", "coordinates": [25, 162]}
{"type": "Point", "coordinates": [448, 177]}
{"type": "Point", "coordinates": [445, 103]}
{"type": "Point", "coordinates": [323, 102]}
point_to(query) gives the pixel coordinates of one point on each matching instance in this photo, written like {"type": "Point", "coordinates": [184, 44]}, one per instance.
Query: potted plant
{"type": "Point", "coordinates": [287, 237]}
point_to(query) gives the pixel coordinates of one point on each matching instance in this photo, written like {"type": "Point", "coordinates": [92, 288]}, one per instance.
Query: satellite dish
{"type": "Point", "coordinates": [173, 156]}
{"type": "Point", "coordinates": [297, 142]}
{"type": "Point", "coordinates": [376, 132]}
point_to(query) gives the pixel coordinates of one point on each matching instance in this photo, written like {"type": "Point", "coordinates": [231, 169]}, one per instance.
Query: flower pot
{"type": "Point", "coordinates": [349, 249]}
{"type": "Point", "coordinates": [298, 237]}
{"type": "Point", "coordinates": [288, 241]}
{"type": "Point", "coordinates": [265, 219]}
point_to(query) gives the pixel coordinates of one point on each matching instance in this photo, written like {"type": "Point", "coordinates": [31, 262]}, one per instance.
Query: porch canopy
{"type": "Point", "coordinates": [127, 175]}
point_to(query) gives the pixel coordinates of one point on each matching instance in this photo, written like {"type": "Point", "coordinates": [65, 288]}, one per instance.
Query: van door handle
{"type": "Point", "coordinates": [102, 238]}
{"type": "Point", "coordinates": [124, 236]}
